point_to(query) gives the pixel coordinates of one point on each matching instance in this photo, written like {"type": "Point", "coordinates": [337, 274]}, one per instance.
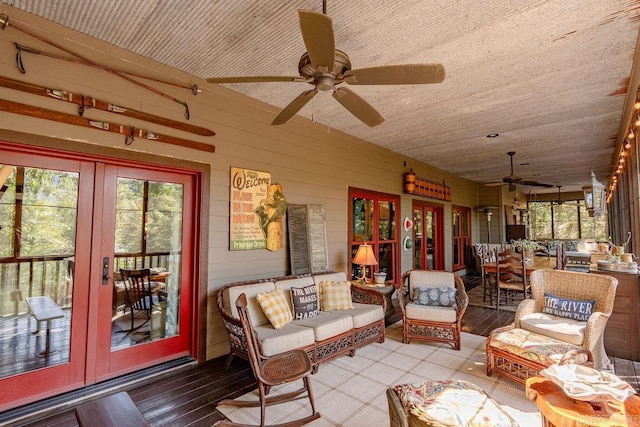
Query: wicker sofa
{"type": "Point", "coordinates": [324, 337]}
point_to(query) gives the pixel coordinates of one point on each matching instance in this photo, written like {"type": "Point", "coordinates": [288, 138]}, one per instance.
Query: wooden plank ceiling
{"type": "Point", "coordinates": [550, 77]}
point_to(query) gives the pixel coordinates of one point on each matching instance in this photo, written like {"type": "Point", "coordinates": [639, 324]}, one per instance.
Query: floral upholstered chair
{"type": "Point", "coordinates": [571, 307]}
{"type": "Point", "coordinates": [432, 305]}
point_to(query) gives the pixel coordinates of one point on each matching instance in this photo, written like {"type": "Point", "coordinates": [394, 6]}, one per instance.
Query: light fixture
{"type": "Point", "coordinates": [594, 197]}
{"type": "Point", "coordinates": [627, 144]}
{"type": "Point", "coordinates": [364, 257]}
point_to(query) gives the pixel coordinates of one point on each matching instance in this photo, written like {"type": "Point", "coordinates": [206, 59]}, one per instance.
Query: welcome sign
{"type": "Point", "coordinates": [248, 193]}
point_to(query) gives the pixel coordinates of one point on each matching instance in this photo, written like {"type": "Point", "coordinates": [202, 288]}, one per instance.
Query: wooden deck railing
{"type": "Point", "coordinates": [25, 277]}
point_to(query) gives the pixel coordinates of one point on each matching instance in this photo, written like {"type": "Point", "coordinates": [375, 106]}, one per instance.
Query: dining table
{"type": "Point", "coordinates": [539, 263]}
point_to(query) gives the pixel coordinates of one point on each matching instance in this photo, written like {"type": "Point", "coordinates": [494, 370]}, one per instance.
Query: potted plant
{"type": "Point", "coordinates": [527, 247]}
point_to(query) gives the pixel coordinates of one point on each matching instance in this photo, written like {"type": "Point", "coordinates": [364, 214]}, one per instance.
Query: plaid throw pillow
{"type": "Point", "coordinates": [335, 296]}
{"type": "Point", "coordinates": [275, 307]}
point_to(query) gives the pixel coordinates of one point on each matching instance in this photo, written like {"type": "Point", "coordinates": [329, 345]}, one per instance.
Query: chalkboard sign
{"type": "Point", "coordinates": [307, 239]}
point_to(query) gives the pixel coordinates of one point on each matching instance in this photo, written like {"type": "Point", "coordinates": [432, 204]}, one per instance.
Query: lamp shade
{"type": "Point", "coordinates": [365, 256]}
{"type": "Point", "coordinates": [594, 197]}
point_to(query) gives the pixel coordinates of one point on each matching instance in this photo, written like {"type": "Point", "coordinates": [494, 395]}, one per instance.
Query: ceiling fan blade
{"type": "Point", "coordinates": [317, 33]}
{"type": "Point", "coordinates": [536, 184]}
{"type": "Point", "coordinates": [358, 107]}
{"type": "Point", "coordinates": [256, 79]}
{"type": "Point", "coordinates": [396, 75]}
{"type": "Point", "coordinates": [493, 184]}
{"type": "Point", "coordinates": [512, 179]}
{"type": "Point", "coordinates": [293, 107]}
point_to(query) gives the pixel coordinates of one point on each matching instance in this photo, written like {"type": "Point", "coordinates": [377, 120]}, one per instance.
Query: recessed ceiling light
{"type": "Point", "coordinates": [493, 135]}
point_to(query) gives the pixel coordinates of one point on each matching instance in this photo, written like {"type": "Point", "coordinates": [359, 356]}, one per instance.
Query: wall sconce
{"type": "Point", "coordinates": [594, 197]}
{"type": "Point", "coordinates": [364, 256]}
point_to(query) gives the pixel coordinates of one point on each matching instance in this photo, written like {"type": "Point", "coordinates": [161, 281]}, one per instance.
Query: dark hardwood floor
{"type": "Point", "coordinates": [187, 395]}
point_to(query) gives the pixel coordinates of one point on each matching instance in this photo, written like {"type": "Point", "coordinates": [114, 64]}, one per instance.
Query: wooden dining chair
{"type": "Point", "coordinates": [139, 297]}
{"type": "Point", "coordinates": [487, 257]}
{"type": "Point", "coordinates": [276, 370]}
{"type": "Point", "coordinates": [511, 278]}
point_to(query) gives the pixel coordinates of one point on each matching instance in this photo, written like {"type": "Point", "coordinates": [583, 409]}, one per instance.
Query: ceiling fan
{"type": "Point", "coordinates": [325, 67]}
{"type": "Point", "coordinates": [513, 179]}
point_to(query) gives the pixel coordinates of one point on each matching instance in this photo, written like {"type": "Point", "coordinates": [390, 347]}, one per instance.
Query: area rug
{"type": "Point", "coordinates": [476, 299]}
{"type": "Point", "coordinates": [350, 391]}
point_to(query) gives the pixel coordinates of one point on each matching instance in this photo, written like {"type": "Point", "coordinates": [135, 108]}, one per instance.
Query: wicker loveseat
{"type": "Point", "coordinates": [324, 337]}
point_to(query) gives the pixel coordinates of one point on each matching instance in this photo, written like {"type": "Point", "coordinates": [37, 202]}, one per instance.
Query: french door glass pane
{"type": "Point", "coordinates": [148, 234]}
{"type": "Point", "coordinates": [417, 239]}
{"type": "Point", "coordinates": [386, 220]}
{"type": "Point", "coordinates": [362, 219]}
{"type": "Point", "coordinates": [38, 216]}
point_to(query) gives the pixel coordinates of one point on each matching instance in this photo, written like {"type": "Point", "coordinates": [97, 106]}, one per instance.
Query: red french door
{"type": "Point", "coordinates": [67, 225]}
{"type": "Point", "coordinates": [146, 219]}
{"type": "Point", "coordinates": [428, 247]}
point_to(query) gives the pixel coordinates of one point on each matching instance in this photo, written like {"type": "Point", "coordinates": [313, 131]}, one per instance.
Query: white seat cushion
{"type": "Point", "coordinates": [430, 313]}
{"type": "Point", "coordinates": [328, 324]}
{"type": "Point", "coordinates": [289, 337]}
{"type": "Point", "coordinates": [560, 328]}
{"type": "Point", "coordinates": [365, 314]}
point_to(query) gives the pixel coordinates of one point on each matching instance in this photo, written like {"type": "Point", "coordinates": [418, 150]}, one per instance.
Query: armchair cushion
{"type": "Point", "coordinates": [442, 296]}
{"type": "Point", "coordinates": [560, 328]}
{"type": "Point", "coordinates": [571, 309]}
{"type": "Point", "coordinates": [430, 313]}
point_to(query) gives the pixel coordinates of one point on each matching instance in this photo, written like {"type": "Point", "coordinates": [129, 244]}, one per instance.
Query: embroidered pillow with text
{"type": "Point", "coordinates": [305, 302]}
{"type": "Point", "coordinates": [579, 310]}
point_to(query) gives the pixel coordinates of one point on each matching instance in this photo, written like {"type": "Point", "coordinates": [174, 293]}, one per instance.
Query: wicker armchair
{"type": "Point", "coordinates": [574, 286]}
{"type": "Point", "coordinates": [426, 322]}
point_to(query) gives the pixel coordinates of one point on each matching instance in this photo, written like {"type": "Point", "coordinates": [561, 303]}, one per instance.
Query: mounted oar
{"type": "Point", "coordinates": [129, 132]}
{"type": "Point", "coordinates": [89, 102]}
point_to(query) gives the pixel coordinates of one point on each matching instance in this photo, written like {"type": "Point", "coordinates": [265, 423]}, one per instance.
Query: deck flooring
{"type": "Point", "coordinates": [188, 394]}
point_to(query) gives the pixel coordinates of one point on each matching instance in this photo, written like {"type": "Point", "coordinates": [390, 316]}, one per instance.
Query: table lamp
{"type": "Point", "coordinates": [364, 256]}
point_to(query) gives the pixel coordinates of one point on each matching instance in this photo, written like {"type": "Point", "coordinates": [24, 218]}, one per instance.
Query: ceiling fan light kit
{"type": "Point", "coordinates": [326, 67]}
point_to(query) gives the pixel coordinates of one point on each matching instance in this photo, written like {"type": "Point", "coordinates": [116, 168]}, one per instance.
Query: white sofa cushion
{"type": "Point", "coordinates": [289, 337]}
{"type": "Point", "coordinates": [330, 277]}
{"type": "Point", "coordinates": [365, 314]}
{"type": "Point", "coordinates": [287, 284]}
{"type": "Point", "coordinates": [560, 328]}
{"type": "Point", "coordinates": [251, 291]}
{"type": "Point", "coordinates": [430, 313]}
{"type": "Point", "coordinates": [328, 324]}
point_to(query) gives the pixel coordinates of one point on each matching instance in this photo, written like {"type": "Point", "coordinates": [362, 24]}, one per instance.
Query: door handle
{"type": "Point", "coordinates": [105, 270]}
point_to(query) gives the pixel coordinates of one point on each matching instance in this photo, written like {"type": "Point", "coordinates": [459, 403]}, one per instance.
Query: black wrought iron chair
{"type": "Point", "coordinates": [276, 370]}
